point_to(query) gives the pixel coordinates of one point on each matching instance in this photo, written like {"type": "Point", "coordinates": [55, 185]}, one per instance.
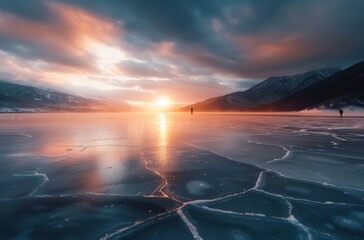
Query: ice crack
{"type": "Point", "coordinates": [32, 174]}
{"type": "Point", "coordinates": [189, 225]}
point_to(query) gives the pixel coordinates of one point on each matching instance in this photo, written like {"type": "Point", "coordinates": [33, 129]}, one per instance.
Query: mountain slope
{"type": "Point", "coordinates": [345, 88]}
{"type": "Point", "coordinates": [269, 91]}
{"type": "Point", "coordinates": [20, 98]}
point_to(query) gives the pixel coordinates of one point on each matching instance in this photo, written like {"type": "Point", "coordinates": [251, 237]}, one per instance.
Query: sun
{"type": "Point", "coordinates": [163, 102]}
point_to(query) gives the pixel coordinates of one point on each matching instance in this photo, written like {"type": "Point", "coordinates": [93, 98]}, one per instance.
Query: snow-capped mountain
{"type": "Point", "coordinates": [314, 89]}
{"type": "Point", "coordinates": [20, 98]}
{"type": "Point", "coordinates": [268, 91]}
{"type": "Point", "coordinates": [343, 89]}
{"type": "Point", "coordinates": [276, 88]}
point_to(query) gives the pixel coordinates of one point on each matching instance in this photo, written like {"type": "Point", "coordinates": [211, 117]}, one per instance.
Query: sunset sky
{"type": "Point", "coordinates": [185, 50]}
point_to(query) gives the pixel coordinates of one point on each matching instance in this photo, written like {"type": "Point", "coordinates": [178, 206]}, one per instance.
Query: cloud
{"type": "Point", "coordinates": [61, 40]}
{"type": "Point", "coordinates": [327, 32]}
{"type": "Point", "coordinates": [34, 10]}
{"type": "Point", "coordinates": [205, 47]}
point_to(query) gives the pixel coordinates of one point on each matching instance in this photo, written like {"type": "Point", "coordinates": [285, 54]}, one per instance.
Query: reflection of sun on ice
{"type": "Point", "coordinates": [163, 103]}
{"type": "Point", "coordinates": [163, 139]}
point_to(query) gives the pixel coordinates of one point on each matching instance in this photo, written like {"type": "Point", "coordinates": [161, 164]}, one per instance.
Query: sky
{"type": "Point", "coordinates": [185, 50]}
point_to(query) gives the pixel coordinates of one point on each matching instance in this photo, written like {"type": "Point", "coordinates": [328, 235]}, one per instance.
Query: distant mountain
{"type": "Point", "coordinates": [323, 89]}
{"type": "Point", "coordinates": [20, 98]}
{"type": "Point", "coordinates": [344, 89]}
{"type": "Point", "coordinates": [271, 90]}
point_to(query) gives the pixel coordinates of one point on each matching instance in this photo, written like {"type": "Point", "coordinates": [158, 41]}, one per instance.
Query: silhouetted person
{"type": "Point", "coordinates": [341, 112]}
{"type": "Point", "coordinates": [191, 111]}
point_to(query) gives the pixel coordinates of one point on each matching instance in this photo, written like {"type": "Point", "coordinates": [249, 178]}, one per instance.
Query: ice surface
{"type": "Point", "coordinates": [342, 221]}
{"type": "Point", "coordinates": [220, 225]}
{"type": "Point", "coordinates": [163, 228]}
{"type": "Point", "coordinates": [175, 176]}
{"type": "Point", "coordinates": [20, 185]}
{"type": "Point", "coordinates": [75, 216]}
{"type": "Point", "coordinates": [254, 202]}
{"type": "Point", "coordinates": [198, 174]}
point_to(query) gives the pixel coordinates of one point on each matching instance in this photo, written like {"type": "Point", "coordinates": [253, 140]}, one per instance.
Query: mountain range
{"type": "Point", "coordinates": [20, 98]}
{"type": "Point", "coordinates": [320, 89]}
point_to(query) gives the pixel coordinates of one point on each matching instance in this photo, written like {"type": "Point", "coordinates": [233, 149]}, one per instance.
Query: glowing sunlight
{"type": "Point", "coordinates": [163, 103]}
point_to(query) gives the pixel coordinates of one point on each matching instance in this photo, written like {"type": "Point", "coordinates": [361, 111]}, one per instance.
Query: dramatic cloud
{"type": "Point", "coordinates": [136, 50]}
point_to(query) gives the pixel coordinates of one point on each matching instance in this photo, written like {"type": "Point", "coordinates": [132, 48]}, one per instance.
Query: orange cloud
{"type": "Point", "coordinates": [61, 41]}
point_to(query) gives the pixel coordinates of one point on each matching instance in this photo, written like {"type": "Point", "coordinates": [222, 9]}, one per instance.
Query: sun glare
{"type": "Point", "coordinates": [163, 103]}
{"type": "Point", "coordinates": [106, 56]}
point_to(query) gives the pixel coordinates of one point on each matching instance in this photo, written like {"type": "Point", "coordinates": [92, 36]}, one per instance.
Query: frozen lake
{"type": "Point", "coordinates": [176, 176]}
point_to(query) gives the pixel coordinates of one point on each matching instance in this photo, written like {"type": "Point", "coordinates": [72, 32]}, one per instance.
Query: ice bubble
{"type": "Point", "coordinates": [347, 223]}
{"type": "Point", "coordinates": [359, 215]}
{"type": "Point", "coordinates": [197, 187]}
{"type": "Point", "coordinates": [236, 234]}
{"type": "Point", "coordinates": [329, 226]}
